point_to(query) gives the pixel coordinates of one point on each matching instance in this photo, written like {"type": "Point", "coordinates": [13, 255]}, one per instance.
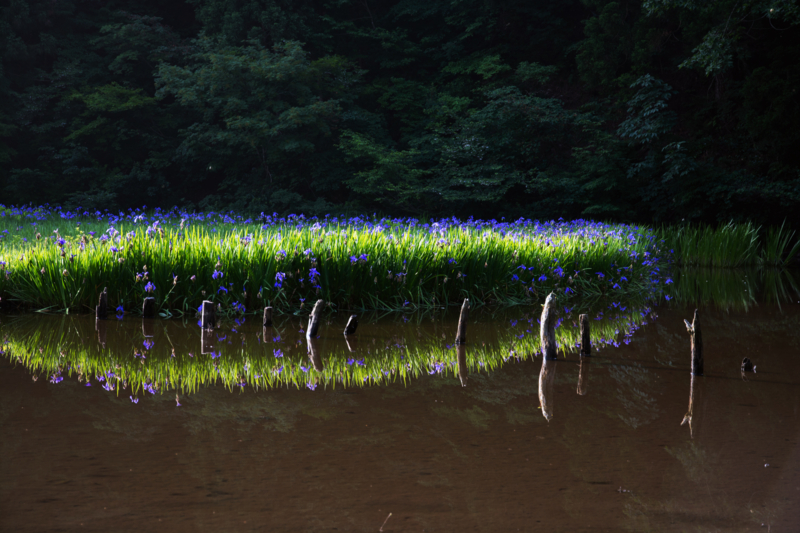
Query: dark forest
{"type": "Point", "coordinates": [655, 111]}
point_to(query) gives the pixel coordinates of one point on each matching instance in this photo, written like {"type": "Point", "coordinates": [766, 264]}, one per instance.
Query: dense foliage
{"type": "Point", "coordinates": [60, 260]}
{"type": "Point", "coordinates": [634, 110]}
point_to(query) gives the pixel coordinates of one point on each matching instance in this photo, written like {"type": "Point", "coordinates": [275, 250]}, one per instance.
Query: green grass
{"type": "Point", "coordinates": [730, 245]}
{"type": "Point", "coordinates": [404, 266]}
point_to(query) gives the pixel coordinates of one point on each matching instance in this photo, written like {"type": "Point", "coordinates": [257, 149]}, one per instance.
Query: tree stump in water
{"type": "Point", "coordinates": [149, 307]}
{"type": "Point", "coordinates": [547, 330]}
{"type": "Point", "coordinates": [461, 333]}
{"type": "Point", "coordinates": [352, 325]}
{"type": "Point", "coordinates": [101, 311]}
{"type": "Point", "coordinates": [747, 365]}
{"type": "Point", "coordinates": [697, 344]}
{"type": "Point", "coordinates": [267, 322]}
{"type": "Point", "coordinates": [207, 315]}
{"type": "Point", "coordinates": [586, 341]}
{"type": "Point", "coordinates": [314, 319]}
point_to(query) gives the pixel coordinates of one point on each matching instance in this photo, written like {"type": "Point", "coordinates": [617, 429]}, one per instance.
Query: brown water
{"type": "Point", "coordinates": [613, 455]}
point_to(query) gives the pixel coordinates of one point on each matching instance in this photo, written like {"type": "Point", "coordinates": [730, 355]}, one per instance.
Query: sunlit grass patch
{"type": "Point", "coordinates": [62, 261]}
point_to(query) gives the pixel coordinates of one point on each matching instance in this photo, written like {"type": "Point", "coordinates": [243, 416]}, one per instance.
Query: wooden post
{"type": "Point", "coordinates": [461, 357]}
{"type": "Point", "coordinates": [547, 331]}
{"type": "Point", "coordinates": [586, 341]}
{"type": "Point", "coordinates": [101, 311]}
{"type": "Point", "coordinates": [747, 365]}
{"type": "Point", "coordinates": [547, 377]}
{"type": "Point", "coordinates": [352, 325]}
{"type": "Point", "coordinates": [314, 354]}
{"type": "Point", "coordinates": [697, 344]}
{"type": "Point", "coordinates": [314, 319]}
{"type": "Point", "coordinates": [267, 317]}
{"type": "Point", "coordinates": [582, 371]}
{"type": "Point", "coordinates": [461, 334]}
{"type": "Point", "coordinates": [149, 307]}
{"type": "Point", "coordinates": [208, 315]}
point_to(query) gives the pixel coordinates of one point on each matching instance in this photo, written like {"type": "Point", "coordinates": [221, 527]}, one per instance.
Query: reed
{"type": "Point", "coordinates": [730, 245]}
{"type": "Point", "coordinates": [61, 261]}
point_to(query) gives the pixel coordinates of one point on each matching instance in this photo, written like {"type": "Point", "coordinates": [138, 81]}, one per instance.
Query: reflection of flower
{"type": "Point", "coordinates": [277, 352]}
{"type": "Point", "coordinates": [311, 386]}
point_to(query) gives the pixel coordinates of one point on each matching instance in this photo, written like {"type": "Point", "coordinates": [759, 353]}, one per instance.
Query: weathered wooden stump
{"type": "Point", "coordinates": [208, 315]}
{"type": "Point", "coordinates": [463, 319]}
{"type": "Point", "coordinates": [267, 322]}
{"type": "Point", "coordinates": [314, 319]}
{"type": "Point", "coordinates": [314, 354]}
{"type": "Point", "coordinates": [547, 330]}
{"type": "Point", "coordinates": [547, 377]}
{"type": "Point", "coordinates": [352, 325]}
{"type": "Point", "coordinates": [747, 365]}
{"type": "Point", "coordinates": [586, 340]}
{"type": "Point", "coordinates": [461, 357]}
{"type": "Point", "coordinates": [697, 344]}
{"type": "Point", "coordinates": [101, 311]}
{"type": "Point", "coordinates": [149, 307]}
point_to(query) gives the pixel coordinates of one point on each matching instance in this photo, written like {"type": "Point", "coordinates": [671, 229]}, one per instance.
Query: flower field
{"type": "Point", "coordinates": [61, 261]}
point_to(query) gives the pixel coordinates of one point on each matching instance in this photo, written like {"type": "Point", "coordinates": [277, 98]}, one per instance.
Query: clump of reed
{"type": "Point", "coordinates": [730, 245]}
{"type": "Point", "coordinates": [55, 260]}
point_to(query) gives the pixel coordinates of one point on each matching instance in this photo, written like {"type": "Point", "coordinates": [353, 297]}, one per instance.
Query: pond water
{"type": "Point", "coordinates": [397, 429]}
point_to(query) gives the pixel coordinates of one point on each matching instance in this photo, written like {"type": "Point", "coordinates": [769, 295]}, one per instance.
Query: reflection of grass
{"type": "Point", "coordinates": [67, 346]}
{"type": "Point", "coordinates": [733, 289]}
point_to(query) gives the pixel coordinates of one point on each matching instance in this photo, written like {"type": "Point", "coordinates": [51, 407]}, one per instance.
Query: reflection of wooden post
{"type": "Point", "coordinates": [461, 334]}
{"type": "Point", "coordinates": [586, 340]}
{"type": "Point", "coordinates": [314, 319]}
{"type": "Point", "coordinates": [461, 357]}
{"type": "Point", "coordinates": [352, 324]}
{"type": "Point", "coordinates": [352, 343]}
{"type": "Point", "coordinates": [148, 328]}
{"type": "Point", "coordinates": [314, 354]}
{"type": "Point", "coordinates": [547, 377]}
{"type": "Point", "coordinates": [206, 340]}
{"type": "Point", "coordinates": [697, 344]}
{"type": "Point", "coordinates": [547, 331]}
{"type": "Point", "coordinates": [149, 307]}
{"type": "Point", "coordinates": [582, 371]}
{"type": "Point", "coordinates": [207, 315]}
{"type": "Point", "coordinates": [101, 311]}
{"type": "Point", "coordinates": [695, 392]}
{"type": "Point", "coordinates": [100, 327]}
{"type": "Point", "coordinates": [267, 317]}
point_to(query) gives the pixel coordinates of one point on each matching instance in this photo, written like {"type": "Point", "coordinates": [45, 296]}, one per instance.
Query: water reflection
{"type": "Point", "coordinates": [547, 378]}
{"type": "Point", "coordinates": [734, 289]}
{"type": "Point", "coordinates": [163, 355]}
{"type": "Point", "coordinates": [695, 394]}
{"type": "Point", "coordinates": [583, 371]}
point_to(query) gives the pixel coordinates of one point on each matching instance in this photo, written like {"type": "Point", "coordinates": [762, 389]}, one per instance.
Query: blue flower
{"type": "Point", "coordinates": [217, 275]}
{"type": "Point", "coordinates": [277, 352]}
{"type": "Point", "coordinates": [222, 289]}
{"type": "Point", "coordinates": [149, 287]}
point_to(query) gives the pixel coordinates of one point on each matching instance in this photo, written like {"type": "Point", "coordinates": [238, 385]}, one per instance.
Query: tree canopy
{"type": "Point", "coordinates": [634, 110]}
